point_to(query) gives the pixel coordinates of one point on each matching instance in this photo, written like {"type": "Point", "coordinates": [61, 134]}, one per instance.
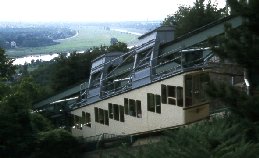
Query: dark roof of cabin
{"type": "Point", "coordinates": [159, 29]}
{"type": "Point", "coordinates": [108, 55]}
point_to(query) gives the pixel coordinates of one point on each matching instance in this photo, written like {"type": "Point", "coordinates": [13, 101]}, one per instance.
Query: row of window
{"type": "Point", "coordinates": [79, 122]}
{"type": "Point", "coordinates": [133, 107]}
{"type": "Point", "coordinates": [172, 95]}
{"type": "Point", "coordinates": [101, 116]}
{"type": "Point", "coordinates": [169, 95]}
{"type": "Point", "coordinates": [116, 112]}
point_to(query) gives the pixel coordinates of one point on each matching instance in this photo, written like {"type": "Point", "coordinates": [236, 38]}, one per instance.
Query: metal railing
{"type": "Point", "coordinates": [103, 137]}
{"type": "Point", "coordinates": [110, 89]}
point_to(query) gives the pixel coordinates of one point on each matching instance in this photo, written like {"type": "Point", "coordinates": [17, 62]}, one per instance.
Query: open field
{"type": "Point", "coordinates": [88, 36]}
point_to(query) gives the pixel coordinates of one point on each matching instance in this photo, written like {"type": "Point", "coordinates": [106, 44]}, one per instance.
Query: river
{"type": "Point", "coordinates": [41, 57]}
{"type": "Point", "coordinates": [126, 31]}
{"type": "Point", "coordinates": [48, 57]}
{"type": "Point", "coordinates": [28, 59]}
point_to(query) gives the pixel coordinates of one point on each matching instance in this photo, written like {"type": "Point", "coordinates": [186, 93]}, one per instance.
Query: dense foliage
{"type": "Point", "coordinates": [187, 18]}
{"type": "Point", "coordinates": [24, 133]}
{"type": "Point", "coordinates": [56, 143]}
{"type": "Point", "coordinates": [241, 45]}
{"type": "Point", "coordinates": [7, 68]}
{"type": "Point", "coordinates": [219, 138]}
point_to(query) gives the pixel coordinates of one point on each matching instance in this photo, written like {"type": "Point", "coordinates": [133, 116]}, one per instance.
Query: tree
{"type": "Point", "coordinates": [17, 135]}
{"type": "Point", "coordinates": [113, 40]}
{"type": "Point", "coordinates": [56, 143]}
{"type": "Point", "coordinates": [74, 69]}
{"type": "Point", "coordinates": [21, 129]}
{"type": "Point", "coordinates": [39, 123]}
{"type": "Point", "coordinates": [217, 137]}
{"type": "Point", "coordinates": [118, 46]}
{"type": "Point", "coordinates": [7, 69]}
{"type": "Point", "coordinates": [241, 45]}
{"type": "Point", "coordinates": [24, 133]}
{"type": "Point", "coordinates": [188, 18]}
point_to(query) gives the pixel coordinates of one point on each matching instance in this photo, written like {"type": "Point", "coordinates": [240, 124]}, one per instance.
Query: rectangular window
{"type": "Point", "coordinates": [188, 90]}
{"type": "Point", "coordinates": [150, 102]}
{"type": "Point", "coordinates": [171, 91]}
{"type": "Point", "coordinates": [126, 106]}
{"type": "Point", "coordinates": [158, 104]}
{"type": "Point", "coordinates": [77, 122]}
{"type": "Point", "coordinates": [196, 84]}
{"type": "Point", "coordinates": [110, 107]}
{"type": "Point", "coordinates": [116, 112]}
{"type": "Point", "coordinates": [171, 95]}
{"type": "Point", "coordinates": [180, 96]}
{"type": "Point", "coordinates": [164, 94]}
{"type": "Point", "coordinates": [87, 119]}
{"type": "Point", "coordinates": [83, 118]}
{"type": "Point", "coordinates": [139, 111]}
{"type": "Point", "coordinates": [96, 114]}
{"type": "Point", "coordinates": [101, 116]}
{"type": "Point", "coordinates": [95, 80]}
{"type": "Point", "coordinates": [106, 118]}
{"type": "Point", "coordinates": [132, 108]}
{"type": "Point", "coordinates": [195, 89]}
{"type": "Point", "coordinates": [121, 113]}
{"type": "Point", "coordinates": [204, 83]}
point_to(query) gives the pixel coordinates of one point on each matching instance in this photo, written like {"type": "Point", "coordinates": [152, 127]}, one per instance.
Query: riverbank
{"type": "Point", "coordinates": [126, 31]}
{"type": "Point", "coordinates": [28, 59]}
{"type": "Point", "coordinates": [59, 40]}
{"type": "Point", "coordinates": [40, 57]}
{"type": "Point", "coordinates": [88, 37]}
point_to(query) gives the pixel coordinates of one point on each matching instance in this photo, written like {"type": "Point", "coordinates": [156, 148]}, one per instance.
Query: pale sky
{"type": "Point", "coordinates": [89, 10]}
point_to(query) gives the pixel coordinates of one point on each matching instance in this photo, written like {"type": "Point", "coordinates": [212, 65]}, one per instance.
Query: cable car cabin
{"type": "Point", "coordinates": [158, 84]}
{"type": "Point", "coordinates": [174, 101]}
{"type": "Point", "coordinates": [148, 88]}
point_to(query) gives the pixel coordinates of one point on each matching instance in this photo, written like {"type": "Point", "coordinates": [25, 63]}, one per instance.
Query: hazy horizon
{"type": "Point", "coordinates": [89, 11]}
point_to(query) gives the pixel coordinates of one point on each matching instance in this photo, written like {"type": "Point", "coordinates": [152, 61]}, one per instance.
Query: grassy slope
{"type": "Point", "coordinates": [88, 37]}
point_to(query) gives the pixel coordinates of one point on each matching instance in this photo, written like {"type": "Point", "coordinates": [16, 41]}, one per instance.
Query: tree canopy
{"type": "Point", "coordinates": [24, 133]}
{"type": "Point", "coordinates": [187, 18]}
{"type": "Point", "coordinates": [7, 69]}
{"type": "Point", "coordinates": [241, 45]}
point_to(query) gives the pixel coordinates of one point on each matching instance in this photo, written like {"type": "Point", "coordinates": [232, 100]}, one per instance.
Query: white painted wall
{"type": "Point", "coordinates": [170, 116]}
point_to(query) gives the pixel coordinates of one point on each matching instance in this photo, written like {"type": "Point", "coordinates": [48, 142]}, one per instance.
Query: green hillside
{"type": "Point", "coordinates": [88, 36]}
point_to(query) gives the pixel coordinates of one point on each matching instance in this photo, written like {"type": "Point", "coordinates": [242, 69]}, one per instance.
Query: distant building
{"type": "Point", "coordinates": [13, 44]}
